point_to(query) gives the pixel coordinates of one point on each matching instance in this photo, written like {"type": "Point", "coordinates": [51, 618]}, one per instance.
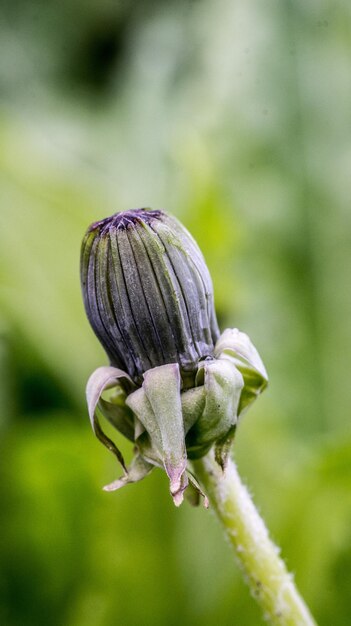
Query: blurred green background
{"type": "Point", "coordinates": [236, 117]}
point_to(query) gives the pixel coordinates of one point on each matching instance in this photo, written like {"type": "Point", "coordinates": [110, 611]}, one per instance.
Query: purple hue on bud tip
{"type": "Point", "coordinates": [126, 219]}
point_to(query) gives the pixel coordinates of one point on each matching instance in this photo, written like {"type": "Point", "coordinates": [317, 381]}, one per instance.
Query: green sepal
{"type": "Point", "coordinates": [194, 493]}
{"type": "Point", "coordinates": [236, 347]}
{"type": "Point", "coordinates": [158, 407]}
{"type": "Point", "coordinates": [223, 446]}
{"type": "Point", "coordinates": [101, 379]}
{"type": "Point", "coordinates": [193, 403]}
{"type": "Point", "coordinates": [114, 409]}
{"type": "Point", "coordinates": [223, 384]}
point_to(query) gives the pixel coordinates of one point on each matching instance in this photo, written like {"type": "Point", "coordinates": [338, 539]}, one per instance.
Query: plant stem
{"type": "Point", "coordinates": [269, 581]}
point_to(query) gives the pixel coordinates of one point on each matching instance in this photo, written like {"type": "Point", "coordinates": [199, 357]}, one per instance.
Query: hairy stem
{"type": "Point", "coordinates": [270, 583]}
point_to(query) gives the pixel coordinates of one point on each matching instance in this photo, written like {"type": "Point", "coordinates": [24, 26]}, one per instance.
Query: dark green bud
{"type": "Point", "coordinates": [148, 293]}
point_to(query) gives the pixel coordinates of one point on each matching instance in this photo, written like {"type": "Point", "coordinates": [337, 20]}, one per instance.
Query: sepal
{"type": "Point", "coordinates": [222, 383]}
{"type": "Point", "coordinates": [157, 405]}
{"type": "Point", "coordinates": [137, 470]}
{"type": "Point", "coordinates": [194, 492]}
{"type": "Point", "coordinates": [101, 379]}
{"type": "Point", "coordinates": [236, 347]}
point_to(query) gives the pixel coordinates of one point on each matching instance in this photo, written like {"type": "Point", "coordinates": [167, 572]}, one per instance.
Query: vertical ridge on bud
{"type": "Point", "coordinates": [92, 300]}
{"type": "Point", "coordinates": [139, 295]}
{"type": "Point", "coordinates": [173, 298]}
{"type": "Point", "coordinates": [153, 296]}
{"type": "Point", "coordinates": [122, 273]}
{"type": "Point", "coordinates": [103, 296]}
{"type": "Point", "coordinates": [138, 310]}
{"type": "Point", "coordinates": [195, 257]}
{"type": "Point", "coordinates": [190, 283]}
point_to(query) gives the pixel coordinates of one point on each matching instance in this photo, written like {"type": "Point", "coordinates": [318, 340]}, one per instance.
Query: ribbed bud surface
{"type": "Point", "coordinates": [148, 293]}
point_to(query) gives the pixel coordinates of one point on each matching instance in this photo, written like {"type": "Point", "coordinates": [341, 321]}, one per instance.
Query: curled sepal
{"type": "Point", "coordinates": [157, 405]}
{"type": "Point", "coordinates": [137, 470]}
{"type": "Point", "coordinates": [223, 446]}
{"type": "Point", "coordinates": [194, 492]}
{"type": "Point", "coordinates": [235, 346]}
{"type": "Point", "coordinates": [223, 385]}
{"type": "Point", "coordinates": [113, 407]}
{"type": "Point", "coordinates": [104, 378]}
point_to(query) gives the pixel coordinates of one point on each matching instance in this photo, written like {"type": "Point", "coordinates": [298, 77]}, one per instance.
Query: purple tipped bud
{"type": "Point", "coordinates": [148, 293]}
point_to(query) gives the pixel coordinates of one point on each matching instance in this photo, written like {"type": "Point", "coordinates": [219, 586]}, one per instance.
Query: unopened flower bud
{"type": "Point", "coordinates": [174, 387]}
{"type": "Point", "coordinates": [148, 293]}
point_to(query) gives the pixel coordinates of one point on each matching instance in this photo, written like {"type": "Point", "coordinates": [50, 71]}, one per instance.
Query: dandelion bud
{"type": "Point", "coordinates": [147, 293]}
{"type": "Point", "coordinates": [174, 387]}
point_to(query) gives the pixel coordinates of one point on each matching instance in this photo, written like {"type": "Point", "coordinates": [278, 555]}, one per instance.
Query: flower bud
{"type": "Point", "coordinates": [174, 387]}
{"type": "Point", "coordinates": [147, 293]}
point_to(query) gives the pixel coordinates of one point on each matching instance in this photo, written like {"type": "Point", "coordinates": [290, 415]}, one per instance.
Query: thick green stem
{"type": "Point", "coordinates": [270, 582]}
